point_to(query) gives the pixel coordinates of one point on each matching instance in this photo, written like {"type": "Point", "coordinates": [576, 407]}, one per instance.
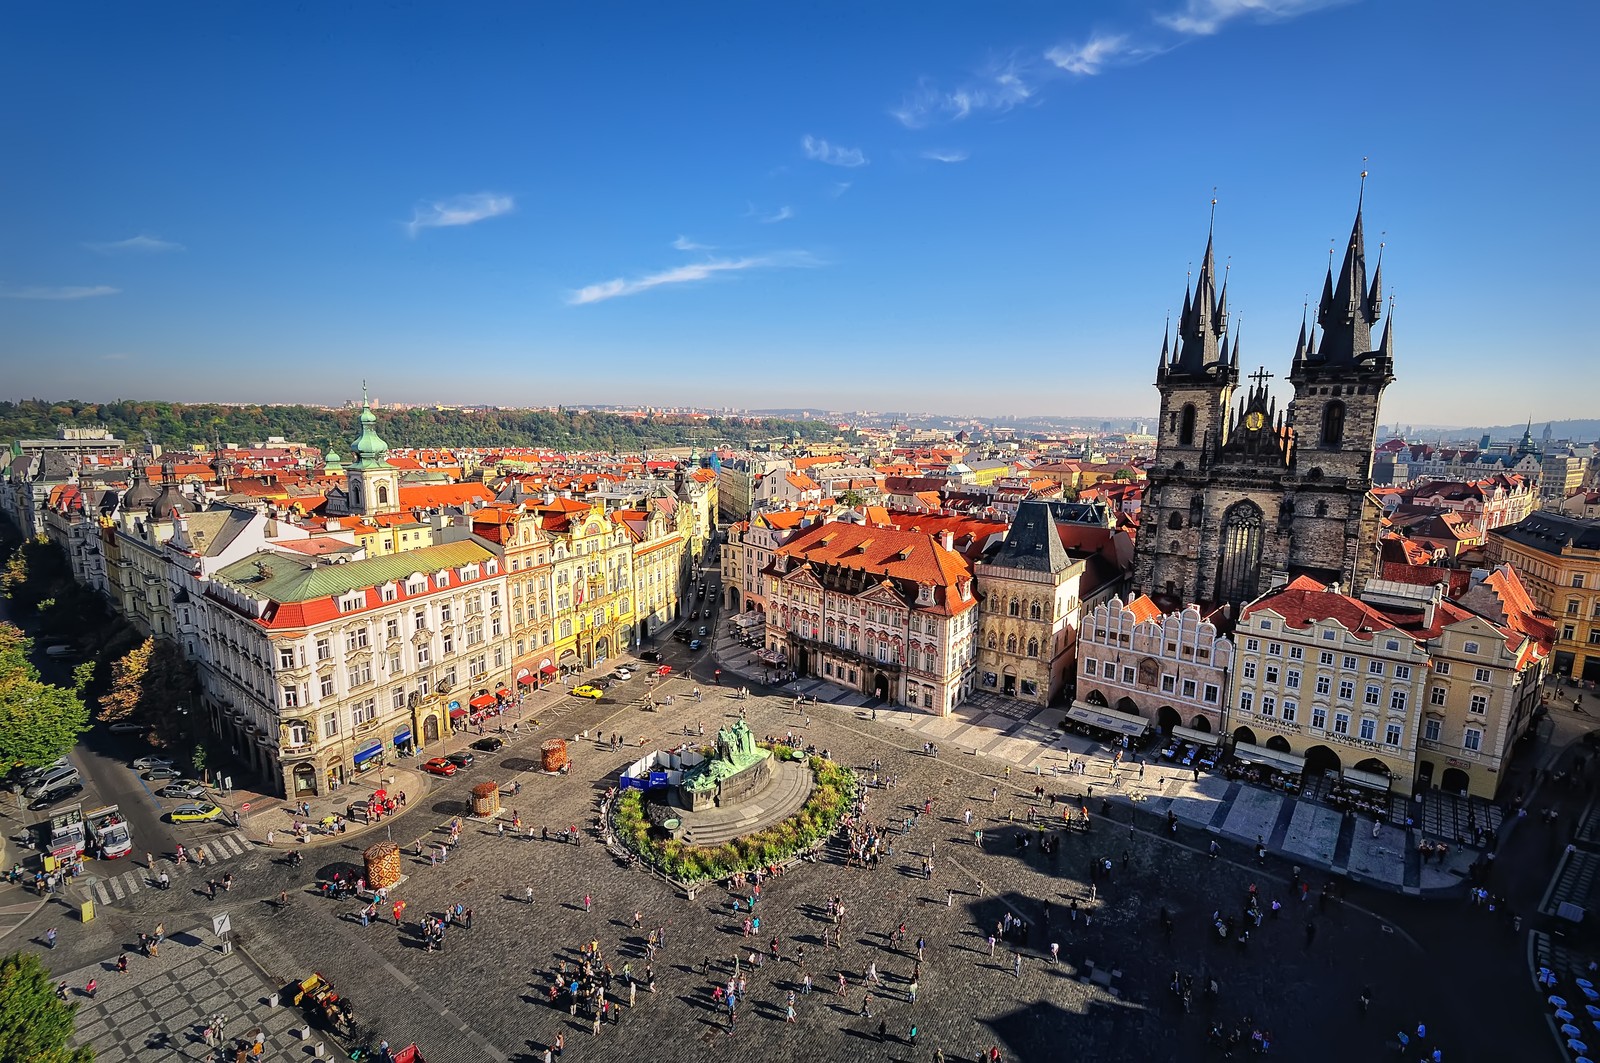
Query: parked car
{"type": "Point", "coordinates": [462, 760]}
{"type": "Point", "coordinates": [488, 744]}
{"type": "Point", "coordinates": [128, 727]}
{"type": "Point", "coordinates": [696, 646]}
{"type": "Point", "coordinates": [587, 691]}
{"type": "Point", "coordinates": [52, 780]}
{"type": "Point", "coordinates": [653, 656]}
{"type": "Point", "coordinates": [702, 632]}
{"type": "Point", "coordinates": [439, 766]}
{"type": "Point", "coordinates": [201, 812]}
{"type": "Point", "coordinates": [694, 614]}
{"type": "Point", "coordinates": [682, 634]}
{"type": "Point", "coordinates": [183, 790]}
{"type": "Point", "coordinates": [146, 763]}
{"type": "Point", "coordinates": [163, 774]}
{"type": "Point", "coordinates": [623, 674]}
{"type": "Point", "coordinates": [29, 776]}
{"type": "Point", "coordinates": [56, 796]}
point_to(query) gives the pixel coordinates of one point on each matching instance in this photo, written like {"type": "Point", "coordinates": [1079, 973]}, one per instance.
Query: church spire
{"type": "Point", "coordinates": [1203, 323]}
{"type": "Point", "coordinates": [1347, 312]}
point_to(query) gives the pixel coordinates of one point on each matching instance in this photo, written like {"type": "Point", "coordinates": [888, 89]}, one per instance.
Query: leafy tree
{"type": "Point", "coordinates": [82, 676]}
{"type": "Point", "coordinates": [38, 723]}
{"type": "Point", "coordinates": [129, 673]}
{"type": "Point", "coordinates": [853, 498]}
{"type": "Point", "coordinates": [35, 1024]}
{"type": "Point", "coordinates": [15, 573]}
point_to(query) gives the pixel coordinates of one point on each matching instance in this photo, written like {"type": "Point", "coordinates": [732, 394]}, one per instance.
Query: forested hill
{"type": "Point", "coordinates": [174, 424]}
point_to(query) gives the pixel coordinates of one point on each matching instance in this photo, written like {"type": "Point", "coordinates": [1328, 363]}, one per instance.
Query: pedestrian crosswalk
{"type": "Point", "coordinates": [121, 886]}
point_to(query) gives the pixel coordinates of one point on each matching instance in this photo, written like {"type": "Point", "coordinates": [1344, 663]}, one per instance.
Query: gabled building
{"type": "Point", "coordinates": [1170, 669]}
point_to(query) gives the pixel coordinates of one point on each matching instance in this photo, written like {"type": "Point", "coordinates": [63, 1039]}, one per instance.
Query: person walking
{"type": "Point", "coordinates": [91, 988]}
{"type": "Point", "coordinates": [1016, 964]}
{"type": "Point", "coordinates": [50, 937]}
{"type": "Point", "coordinates": [587, 902]}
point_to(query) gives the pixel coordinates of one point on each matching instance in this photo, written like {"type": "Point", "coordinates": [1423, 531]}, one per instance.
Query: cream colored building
{"type": "Point", "coordinates": [1558, 558]}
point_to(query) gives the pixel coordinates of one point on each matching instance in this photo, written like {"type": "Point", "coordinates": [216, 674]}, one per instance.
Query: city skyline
{"type": "Point", "coordinates": [681, 212]}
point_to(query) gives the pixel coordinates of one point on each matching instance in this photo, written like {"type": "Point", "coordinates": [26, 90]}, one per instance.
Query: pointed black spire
{"type": "Point", "coordinates": [1386, 347]}
{"type": "Point", "coordinates": [1375, 295]}
{"type": "Point", "coordinates": [1202, 325]}
{"type": "Point", "coordinates": [1347, 313]}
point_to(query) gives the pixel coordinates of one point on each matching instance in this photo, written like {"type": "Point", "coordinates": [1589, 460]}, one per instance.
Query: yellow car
{"type": "Point", "coordinates": [587, 691]}
{"type": "Point", "coordinates": [199, 813]}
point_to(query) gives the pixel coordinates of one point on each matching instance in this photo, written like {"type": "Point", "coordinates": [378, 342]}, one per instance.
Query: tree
{"type": "Point", "coordinates": [82, 676]}
{"type": "Point", "coordinates": [15, 573]}
{"type": "Point", "coordinates": [35, 1024]}
{"type": "Point", "coordinates": [129, 673]}
{"type": "Point", "coordinates": [38, 723]}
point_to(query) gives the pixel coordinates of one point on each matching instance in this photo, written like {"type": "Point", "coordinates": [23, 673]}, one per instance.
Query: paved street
{"type": "Point", "coordinates": [485, 996]}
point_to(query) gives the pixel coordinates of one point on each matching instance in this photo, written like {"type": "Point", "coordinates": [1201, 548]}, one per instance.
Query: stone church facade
{"type": "Point", "coordinates": [1243, 492]}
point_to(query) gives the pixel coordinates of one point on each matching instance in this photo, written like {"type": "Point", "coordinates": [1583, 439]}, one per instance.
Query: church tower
{"type": "Point", "coordinates": [372, 485]}
{"type": "Point", "coordinates": [1196, 383]}
{"type": "Point", "coordinates": [1337, 388]}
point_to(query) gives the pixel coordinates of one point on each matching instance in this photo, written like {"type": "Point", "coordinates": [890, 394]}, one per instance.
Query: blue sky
{"type": "Point", "coordinates": [978, 207]}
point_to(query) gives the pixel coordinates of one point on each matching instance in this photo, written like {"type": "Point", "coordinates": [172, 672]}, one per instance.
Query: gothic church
{"type": "Point", "coordinates": [1241, 491]}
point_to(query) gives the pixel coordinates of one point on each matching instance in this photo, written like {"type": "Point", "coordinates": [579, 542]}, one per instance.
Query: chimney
{"type": "Point", "coordinates": [947, 539]}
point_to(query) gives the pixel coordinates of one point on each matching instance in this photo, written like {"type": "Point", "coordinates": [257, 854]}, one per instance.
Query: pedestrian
{"type": "Point", "coordinates": [50, 937]}
{"type": "Point", "coordinates": [122, 963]}
{"type": "Point", "coordinates": [91, 988]}
{"type": "Point", "coordinates": [527, 895]}
{"type": "Point", "coordinates": [1055, 952]}
{"type": "Point", "coordinates": [1016, 964]}
{"type": "Point", "coordinates": [587, 901]}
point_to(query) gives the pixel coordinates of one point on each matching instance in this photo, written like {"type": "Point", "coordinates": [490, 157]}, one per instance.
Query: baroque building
{"type": "Point", "coordinates": [1242, 492]}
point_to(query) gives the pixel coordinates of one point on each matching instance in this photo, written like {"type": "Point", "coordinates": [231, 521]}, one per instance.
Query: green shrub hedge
{"type": "Point", "coordinates": [818, 818]}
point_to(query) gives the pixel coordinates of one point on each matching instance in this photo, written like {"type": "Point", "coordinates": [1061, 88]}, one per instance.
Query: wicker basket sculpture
{"type": "Point", "coordinates": [554, 753]}
{"type": "Point", "coordinates": [383, 865]}
{"type": "Point", "coordinates": [486, 799]}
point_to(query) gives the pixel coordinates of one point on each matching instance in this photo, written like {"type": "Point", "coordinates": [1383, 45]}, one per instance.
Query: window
{"type": "Point", "coordinates": [1393, 645]}
{"type": "Point", "coordinates": [291, 696]}
{"type": "Point", "coordinates": [420, 620]}
{"type": "Point", "coordinates": [1329, 634]}
{"type": "Point", "coordinates": [1252, 644]}
{"type": "Point", "coordinates": [361, 673]}
{"type": "Point", "coordinates": [444, 613]}
{"type": "Point", "coordinates": [1186, 425]}
{"type": "Point", "coordinates": [397, 698]}
{"type": "Point", "coordinates": [1480, 704]}
{"type": "Point", "coordinates": [1033, 647]}
{"type": "Point", "coordinates": [1291, 679]}
{"type": "Point", "coordinates": [1189, 688]}
{"type": "Point", "coordinates": [1437, 696]}
{"type": "Point", "coordinates": [1369, 729]}
{"type": "Point", "coordinates": [1111, 669]}
{"type": "Point", "coordinates": [1269, 705]}
{"type": "Point", "coordinates": [1324, 685]}
{"type": "Point", "coordinates": [285, 656]}
{"type": "Point", "coordinates": [1391, 735]}
{"type": "Point", "coordinates": [1402, 671]}
{"type": "Point", "coordinates": [1332, 425]}
{"type": "Point", "coordinates": [1472, 740]}
{"type": "Point", "coordinates": [355, 640]}
{"type": "Point", "coordinates": [1325, 659]}
{"type": "Point", "coordinates": [1577, 579]}
{"type": "Point", "coordinates": [330, 725]}
{"type": "Point", "coordinates": [1274, 649]}
{"type": "Point", "coordinates": [1249, 669]}
{"type": "Point", "coordinates": [1397, 701]}
{"type": "Point", "coordinates": [1430, 730]}
{"type": "Point", "coordinates": [424, 656]}
{"type": "Point", "coordinates": [1211, 693]}
{"type": "Point", "coordinates": [1291, 712]}
{"type": "Point", "coordinates": [390, 593]}
{"type": "Point", "coordinates": [362, 711]}
{"type": "Point", "coordinates": [1246, 700]}
{"type": "Point", "coordinates": [1442, 668]}
{"type": "Point", "coordinates": [1374, 694]}
{"type": "Point", "coordinates": [1594, 637]}
{"type": "Point", "coordinates": [1272, 674]}
{"type": "Point", "coordinates": [1297, 653]}
{"type": "Point", "coordinates": [1482, 676]}
{"type": "Point", "coordinates": [1169, 683]}
{"type": "Point", "coordinates": [1347, 690]}
{"type": "Point", "coordinates": [1319, 717]}
{"type": "Point", "coordinates": [1341, 723]}
{"type": "Point", "coordinates": [394, 662]}
{"type": "Point", "coordinates": [1572, 606]}
{"type": "Point", "coordinates": [1471, 647]}
{"type": "Point", "coordinates": [1127, 676]}
{"type": "Point", "coordinates": [391, 627]}
{"type": "Point", "coordinates": [1091, 666]}
{"type": "Point", "coordinates": [1375, 667]}
{"type": "Point", "coordinates": [324, 651]}
{"type": "Point", "coordinates": [1265, 625]}
{"type": "Point", "coordinates": [1350, 663]}
{"type": "Point", "coordinates": [325, 686]}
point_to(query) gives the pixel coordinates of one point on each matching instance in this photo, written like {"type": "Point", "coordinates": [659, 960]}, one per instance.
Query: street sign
{"type": "Point", "coordinates": [220, 925]}
{"type": "Point", "coordinates": [245, 807]}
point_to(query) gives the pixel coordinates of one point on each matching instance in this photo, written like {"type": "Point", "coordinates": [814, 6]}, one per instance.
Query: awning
{"type": "Point", "coordinates": [482, 701]}
{"type": "Point", "coordinates": [1123, 723]}
{"type": "Point", "coordinates": [402, 736]}
{"type": "Point", "coordinates": [527, 680]}
{"type": "Point", "coordinates": [1371, 779]}
{"type": "Point", "coordinates": [1189, 734]}
{"type": "Point", "coordinates": [1272, 758]}
{"type": "Point", "coordinates": [365, 754]}
{"type": "Point", "coordinates": [548, 669]}
{"type": "Point", "coordinates": [502, 692]}
{"type": "Point", "coordinates": [457, 713]}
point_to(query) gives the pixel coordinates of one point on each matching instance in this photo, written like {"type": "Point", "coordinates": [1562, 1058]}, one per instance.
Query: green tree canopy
{"type": "Point", "coordinates": [35, 1024]}
{"type": "Point", "coordinates": [38, 722]}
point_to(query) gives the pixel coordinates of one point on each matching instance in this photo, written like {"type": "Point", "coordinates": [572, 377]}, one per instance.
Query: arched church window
{"type": "Point", "coordinates": [383, 494]}
{"type": "Point", "coordinates": [1011, 644]}
{"type": "Point", "coordinates": [1186, 426]}
{"type": "Point", "coordinates": [1238, 572]}
{"type": "Point", "coordinates": [1016, 609]}
{"type": "Point", "coordinates": [1175, 521]}
{"type": "Point", "coordinates": [993, 642]}
{"type": "Point", "coordinates": [1034, 611]}
{"type": "Point", "coordinates": [1196, 510]}
{"type": "Point", "coordinates": [1333, 424]}
{"type": "Point", "coordinates": [1033, 647]}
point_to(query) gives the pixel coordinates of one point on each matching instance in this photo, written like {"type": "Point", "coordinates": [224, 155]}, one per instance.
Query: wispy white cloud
{"type": "Point", "coordinates": [1201, 18]}
{"type": "Point", "coordinates": [697, 271]}
{"type": "Point", "coordinates": [1090, 57]}
{"type": "Point", "coordinates": [459, 210]}
{"type": "Point", "coordinates": [683, 243]}
{"type": "Point", "coordinates": [819, 150]}
{"type": "Point", "coordinates": [997, 88]}
{"type": "Point", "coordinates": [946, 156]}
{"type": "Point", "coordinates": [143, 244]}
{"type": "Point", "coordinates": [783, 213]}
{"type": "Point", "coordinates": [58, 294]}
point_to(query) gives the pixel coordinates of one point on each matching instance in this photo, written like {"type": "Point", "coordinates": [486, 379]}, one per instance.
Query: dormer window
{"type": "Point", "coordinates": [441, 579]}
{"type": "Point", "coordinates": [491, 566]}
{"type": "Point", "coordinates": [353, 602]}
{"type": "Point", "coordinates": [924, 594]}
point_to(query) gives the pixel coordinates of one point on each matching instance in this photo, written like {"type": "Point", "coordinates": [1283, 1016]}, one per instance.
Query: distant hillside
{"type": "Point", "coordinates": [176, 424]}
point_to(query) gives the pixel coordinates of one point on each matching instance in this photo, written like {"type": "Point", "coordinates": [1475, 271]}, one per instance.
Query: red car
{"type": "Point", "coordinates": [665, 669]}
{"type": "Point", "coordinates": [439, 766]}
